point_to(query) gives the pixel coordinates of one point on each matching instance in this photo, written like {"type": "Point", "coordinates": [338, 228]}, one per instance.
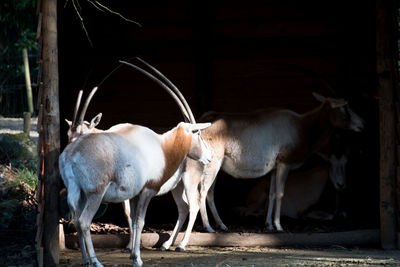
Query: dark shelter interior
{"type": "Point", "coordinates": [230, 56]}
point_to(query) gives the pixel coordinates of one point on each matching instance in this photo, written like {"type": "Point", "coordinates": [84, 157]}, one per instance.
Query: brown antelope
{"type": "Point", "coordinates": [252, 145]}
{"type": "Point", "coordinates": [125, 162]}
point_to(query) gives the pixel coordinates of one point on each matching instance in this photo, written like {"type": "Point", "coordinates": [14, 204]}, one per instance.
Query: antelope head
{"type": "Point", "coordinates": [199, 149]}
{"type": "Point", "coordinates": [341, 116]}
{"type": "Point", "coordinates": [337, 169]}
{"type": "Point", "coordinates": [79, 126]}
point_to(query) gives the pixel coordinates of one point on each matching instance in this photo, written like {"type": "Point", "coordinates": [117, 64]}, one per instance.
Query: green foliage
{"type": "Point", "coordinates": [18, 22]}
{"type": "Point", "coordinates": [18, 179]}
{"type": "Point", "coordinates": [27, 39]}
{"type": "Point", "coordinates": [26, 176]}
{"type": "Point", "coordinates": [17, 205]}
{"type": "Point", "coordinates": [19, 151]}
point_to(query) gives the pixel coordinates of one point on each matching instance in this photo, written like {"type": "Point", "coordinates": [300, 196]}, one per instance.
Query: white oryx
{"type": "Point", "coordinates": [252, 145]}
{"type": "Point", "coordinates": [126, 162]}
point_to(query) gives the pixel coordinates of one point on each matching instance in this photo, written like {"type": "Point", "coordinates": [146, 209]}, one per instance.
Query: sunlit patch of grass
{"type": "Point", "coordinates": [27, 177]}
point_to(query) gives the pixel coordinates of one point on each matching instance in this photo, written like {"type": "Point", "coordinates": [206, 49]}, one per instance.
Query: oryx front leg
{"type": "Point", "coordinates": [130, 207]}
{"type": "Point", "coordinates": [281, 176]}
{"type": "Point", "coordinates": [271, 202]}
{"type": "Point", "coordinates": [183, 211]}
{"type": "Point", "coordinates": [192, 196]}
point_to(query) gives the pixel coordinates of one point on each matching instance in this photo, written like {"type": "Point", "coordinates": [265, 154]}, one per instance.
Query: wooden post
{"type": "Point", "coordinates": [27, 115]}
{"type": "Point", "coordinates": [27, 122]}
{"type": "Point", "coordinates": [49, 133]}
{"type": "Point", "coordinates": [386, 68]}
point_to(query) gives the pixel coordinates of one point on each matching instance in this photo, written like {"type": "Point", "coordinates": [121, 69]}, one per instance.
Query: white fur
{"type": "Point", "coordinates": [171, 183]}
{"type": "Point", "coordinates": [244, 160]}
{"type": "Point", "coordinates": [114, 166]}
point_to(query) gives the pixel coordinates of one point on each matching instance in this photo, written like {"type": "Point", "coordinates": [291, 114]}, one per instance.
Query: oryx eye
{"type": "Point", "coordinates": [346, 112]}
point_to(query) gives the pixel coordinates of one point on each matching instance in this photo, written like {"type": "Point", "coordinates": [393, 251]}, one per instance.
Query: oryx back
{"type": "Point", "coordinates": [117, 162]}
{"type": "Point", "coordinates": [253, 143]}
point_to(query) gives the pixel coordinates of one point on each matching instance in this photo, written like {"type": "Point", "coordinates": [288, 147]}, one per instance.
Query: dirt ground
{"type": "Point", "coordinates": [240, 256]}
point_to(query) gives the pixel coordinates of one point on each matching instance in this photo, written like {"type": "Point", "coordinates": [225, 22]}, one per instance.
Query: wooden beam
{"type": "Point", "coordinates": [386, 68]}
{"type": "Point", "coordinates": [350, 238]}
{"type": "Point", "coordinates": [50, 132]}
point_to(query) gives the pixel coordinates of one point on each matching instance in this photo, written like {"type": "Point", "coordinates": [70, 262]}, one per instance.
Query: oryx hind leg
{"type": "Point", "coordinates": [206, 183]}
{"type": "Point", "coordinates": [213, 208]}
{"type": "Point", "coordinates": [140, 213]}
{"type": "Point", "coordinates": [91, 206]}
{"type": "Point", "coordinates": [75, 203]}
{"type": "Point", "coordinates": [77, 214]}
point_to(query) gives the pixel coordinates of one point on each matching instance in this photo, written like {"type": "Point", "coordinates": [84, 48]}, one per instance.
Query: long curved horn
{"type": "Point", "coordinates": [83, 112]}
{"type": "Point", "coordinates": [172, 94]}
{"type": "Point", "coordinates": [78, 102]}
{"type": "Point", "coordinates": [171, 85]}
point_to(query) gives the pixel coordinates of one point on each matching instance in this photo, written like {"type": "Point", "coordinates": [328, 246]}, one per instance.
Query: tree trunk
{"type": "Point", "coordinates": [49, 132]}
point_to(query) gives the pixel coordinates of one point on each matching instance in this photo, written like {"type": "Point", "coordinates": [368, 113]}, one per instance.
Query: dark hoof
{"type": "Point", "coordinates": [179, 249]}
{"type": "Point", "coordinates": [163, 248]}
{"type": "Point", "coordinates": [126, 250]}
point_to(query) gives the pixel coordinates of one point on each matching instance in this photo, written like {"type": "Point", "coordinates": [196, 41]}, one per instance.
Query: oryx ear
{"type": "Point", "coordinates": [338, 103]}
{"type": "Point", "coordinates": [95, 121]}
{"type": "Point", "coordinates": [189, 127]}
{"type": "Point", "coordinates": [323, 156]}
{"type": "Point", "coordinates": [69, 122]}
{"type": "Point", "coordinates": [319, 97]}
{"type": "Point", "coordinates": [200, 126]}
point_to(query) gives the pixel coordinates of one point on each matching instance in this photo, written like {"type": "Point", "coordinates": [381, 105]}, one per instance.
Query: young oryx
{"type": "Point", "coordinates": [126, 162]}
{"type": "Point", "coordinates": [254, 144]}
{"type": "Point", "coordinates": [303, 189]}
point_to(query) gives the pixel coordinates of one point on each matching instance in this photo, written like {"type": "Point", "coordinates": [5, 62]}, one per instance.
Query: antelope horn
{"type": "Point", "coordinates": [78, 102]}
{"type": "Point", "coordinates": [170, 92]}
{"type": "Point", "coordinates": [171, 85]}
{"type": "Point", "coordinates": [83, 112]}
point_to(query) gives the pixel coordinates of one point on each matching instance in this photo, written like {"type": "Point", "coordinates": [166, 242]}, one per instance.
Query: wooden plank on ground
{"type": "Point", "coordinates": [359, 237]}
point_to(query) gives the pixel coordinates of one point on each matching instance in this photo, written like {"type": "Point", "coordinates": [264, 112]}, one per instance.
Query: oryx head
{"type": "Point", "coordinates": [199, 149]}
{"type": "Point", "coordinates": [337, 169]}
{"type": "Point", "coordinates": [79, 126]}
{"type": "Point", "coordinates": [341, 116]}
